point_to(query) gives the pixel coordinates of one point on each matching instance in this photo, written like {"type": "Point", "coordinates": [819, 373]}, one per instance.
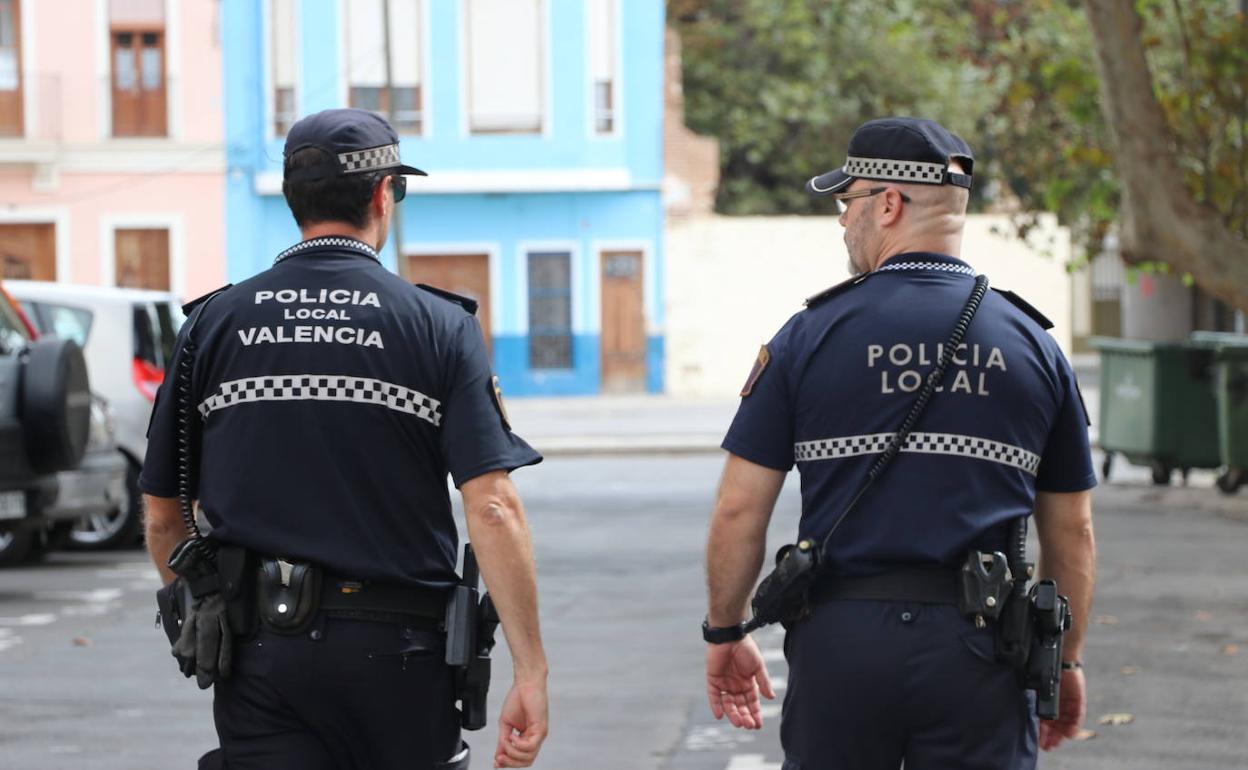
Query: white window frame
{"type": "Point", "coordinates": [173, 222]}
{"type": "Point", "coordinates": [30, 101]}
{"type": "Point", "coordinates": [173, 73]}
{"type": "Point", "coordinates": [617, 77]}
{"type": "Point", "coordinates": [492, 250]}
{"type": "Point", "coordinates": [426, 65]}
{"type": "Point", "coordinates": [546, 74]}
{"type": "Point", "coordinates": [270, 83]}
{"type": "Point", "coordinates": [59, 218]}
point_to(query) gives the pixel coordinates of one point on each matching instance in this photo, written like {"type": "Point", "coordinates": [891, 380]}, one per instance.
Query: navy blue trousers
{"type": "Point", "coordinates": [873, 684]}
{"type": "Point", "coordinates": [349, 699]}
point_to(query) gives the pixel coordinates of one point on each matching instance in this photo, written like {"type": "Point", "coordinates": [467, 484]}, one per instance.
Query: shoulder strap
{"type": "Point", "coordinates": [467, 303]}
{"type": "Point", "coordinates": [1027, 308]}
{"type": "Point", "coordinates": [189, 307]}
{"type": "Point", "coordinates": [833, 291]}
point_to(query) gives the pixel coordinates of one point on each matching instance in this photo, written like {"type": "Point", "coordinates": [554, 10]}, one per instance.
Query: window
{"type": "Point", "coordinates": [504, 66]}
{"type": "Point", "coordinates": [10, 69]}
{"type": "Point", "coordinates": [602, 63]}
{"type": "Point", "coordinates": [550, 310]}
{"type": "Point", "coordinates": [142, 258]}
{"type": "Point", "coordinates": [70, 323]}
{"type": "Point", "coordinates": [138, 53]}
{"type": "Point", "coordinates": [284, 64]}
{"type": "Point", "coordinates": [366, 24]}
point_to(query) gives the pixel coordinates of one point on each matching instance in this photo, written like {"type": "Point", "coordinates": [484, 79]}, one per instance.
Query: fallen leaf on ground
{"type": "Point", "coordinates": [1105, 620]}
{"type": "Point", "coordinates": [1116, 719]}
{"type": "Point", "coordinates": [1230, 649]}
{"type": "Point", "coordinates": [1202, 615]}
{"type": "Point", "coordinates": [1084, 735]}
{"type": "Point", "coordinates": [1129, 670]}
{"type": "Point", "coordinates": [82, 641]}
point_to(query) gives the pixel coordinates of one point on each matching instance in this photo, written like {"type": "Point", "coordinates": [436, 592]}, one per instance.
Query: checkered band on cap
{"type": "Point", "coordinates": [896, 170]}
{"type": "Point", "coordinates": [920, 443]}
{"type": "Point", "coordinates": [358, 161]}
{"type": "Point", "coordinates": [323, 387]}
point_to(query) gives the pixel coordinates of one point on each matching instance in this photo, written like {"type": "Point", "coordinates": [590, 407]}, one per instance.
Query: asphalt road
{"type": "Point", "coordinates": [86, 681]}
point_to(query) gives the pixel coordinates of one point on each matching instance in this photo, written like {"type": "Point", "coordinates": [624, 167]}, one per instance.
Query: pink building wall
{"type": "Point", "coordinates": [69, 171]}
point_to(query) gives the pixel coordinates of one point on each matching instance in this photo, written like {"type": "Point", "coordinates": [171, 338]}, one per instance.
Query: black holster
{"type": "Point", "coordinates": [235, 569]}
{"type": "Point", "coordinates": [470, 626]}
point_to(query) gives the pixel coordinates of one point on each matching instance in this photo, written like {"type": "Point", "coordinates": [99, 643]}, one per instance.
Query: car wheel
{"type": "Point", "coordinates": [115, 528]}
{"type": "Point", "coordinates": [15, 546]}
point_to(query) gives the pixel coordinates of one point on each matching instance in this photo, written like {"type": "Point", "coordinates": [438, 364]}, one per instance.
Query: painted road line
{"type": "Point", "coordinates": [37, 619]}
{"type": "Point", "coordinates": [97, 596]}
{"type": "Point", "coordinates": [751, 762]}
{"type": "Point", "coordinates": [773, 655]}
{"type": "Point", "coordinates": [716, 737]}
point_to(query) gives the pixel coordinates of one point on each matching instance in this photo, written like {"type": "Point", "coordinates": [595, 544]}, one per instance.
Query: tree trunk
{"type": "Point", "coordinates": [1161, 220]}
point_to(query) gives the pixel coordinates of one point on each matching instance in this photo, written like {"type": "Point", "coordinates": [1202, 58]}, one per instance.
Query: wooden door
{"type": "Point", "coordinates": [623, 322]}
{"type": "Point", "coordinates": [465, 274]}
{"type": "Point", "coordinates": [10, 68]}
{"type": "Point", "coordinates": [138, 71]}
{"type": "Point", "coordinates": [142, 258]}
{"type": "Point", "coordinates": [28, 251]}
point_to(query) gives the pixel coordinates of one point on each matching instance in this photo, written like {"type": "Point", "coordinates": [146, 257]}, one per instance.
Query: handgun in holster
{"type": "Point", "coordinates": [471, 621]}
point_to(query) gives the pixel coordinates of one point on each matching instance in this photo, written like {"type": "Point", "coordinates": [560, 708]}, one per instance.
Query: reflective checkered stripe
{"type": "Point", "coordinates": [327, 242]}
{"type": "Point", "coordinates": [921, 443]}
{"type": "Point", "coordinates": [895, 170]}
{"type": "Point", "coordinates": [358, 161]}
{"type": "Point", "coordinates": [948, 267]}
{"type": "Point", "coordinates": [323, 387]}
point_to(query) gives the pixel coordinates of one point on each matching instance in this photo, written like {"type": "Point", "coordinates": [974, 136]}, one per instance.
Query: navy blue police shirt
{"type": "Point", "coordinates": [839, 378]}
{"type": "Point", "coordinates": [335, 398]}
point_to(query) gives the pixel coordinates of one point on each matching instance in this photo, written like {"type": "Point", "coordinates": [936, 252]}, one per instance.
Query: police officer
{"type": "Point", "coordinates": [902, 676]}
{"type": "Point", "coordinates": [331, 400]}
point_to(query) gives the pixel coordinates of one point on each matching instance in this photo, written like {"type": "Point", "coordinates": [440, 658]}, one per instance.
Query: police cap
{"type": "Point", "coordinates": [351, 141]}
{"type": "Point", "coordinates": [910, 150]}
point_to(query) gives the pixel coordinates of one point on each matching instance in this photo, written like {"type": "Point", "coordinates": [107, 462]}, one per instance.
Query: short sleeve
{"type": "Point", "coordinates": [1066, 465]}
{"type": "Point", "coordinates": [475, 436]}
{"type": "Point", "coordinates": [159, 476]}
{"type": "Point", "coordinates": [762, 431]}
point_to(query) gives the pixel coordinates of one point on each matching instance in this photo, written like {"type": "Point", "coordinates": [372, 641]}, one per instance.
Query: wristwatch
{"type": "Point", "coordinates": [1071, 665]}
{"type": "Point", "coordinates": [725, 635]}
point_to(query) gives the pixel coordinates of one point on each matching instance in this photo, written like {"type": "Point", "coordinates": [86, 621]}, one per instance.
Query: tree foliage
{"type": "Point", "coordinates": [782, 84]}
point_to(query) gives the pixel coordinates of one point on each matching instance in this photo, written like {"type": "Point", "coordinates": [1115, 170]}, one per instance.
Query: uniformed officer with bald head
{"type": "Point", "coordinates": [897, 674]}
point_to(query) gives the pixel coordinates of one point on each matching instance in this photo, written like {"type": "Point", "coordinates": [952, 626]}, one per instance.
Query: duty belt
{"type": "Point", "coordinates": [926, 586]}
{"type": "Point", "coordinates": [367, 600]}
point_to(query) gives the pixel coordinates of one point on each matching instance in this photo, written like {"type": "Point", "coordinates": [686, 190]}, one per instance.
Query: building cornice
{"type": "Point", "coordinates": [114, 156]}
{"type": "Point", "coordinates": [451, 182]}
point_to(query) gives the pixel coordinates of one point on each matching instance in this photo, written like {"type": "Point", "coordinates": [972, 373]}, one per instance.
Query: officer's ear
{"type": "Point", "coordinates": [889, 209]}
{"type": "Point", "coordinates": [378, 203]}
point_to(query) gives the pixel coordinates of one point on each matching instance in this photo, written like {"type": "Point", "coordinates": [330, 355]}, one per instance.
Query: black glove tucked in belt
{"type": "Point", "coordinates": [204, 647]}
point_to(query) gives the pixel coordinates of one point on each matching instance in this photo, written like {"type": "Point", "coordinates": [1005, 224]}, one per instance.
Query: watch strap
{"type": "Point", "coordinates": [725, 635]}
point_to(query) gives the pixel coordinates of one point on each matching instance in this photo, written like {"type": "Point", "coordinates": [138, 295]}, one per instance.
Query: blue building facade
{"type": "Point", "coordinates": [540, 125]}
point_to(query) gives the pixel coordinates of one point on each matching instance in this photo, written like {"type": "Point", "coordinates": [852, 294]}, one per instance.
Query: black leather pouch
{"type": "Point", "coordinates": [172, 603]}
{"type": "Point", "coordinates": [288, 595]}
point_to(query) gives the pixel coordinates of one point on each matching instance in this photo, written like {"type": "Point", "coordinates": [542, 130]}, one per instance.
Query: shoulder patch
{"type": "Point", "coordinates": [1026, 307]}
{"type": "Point", "coordinates": [496, 390]}
{"type": "Point", "coordinates": [190, 306]}
{"type": "Point", "coordinates": [466, 303]}
{"type": "Point", "coordinates": [833, 291]}
{"type": "Point", "coordinates": [760, 364]}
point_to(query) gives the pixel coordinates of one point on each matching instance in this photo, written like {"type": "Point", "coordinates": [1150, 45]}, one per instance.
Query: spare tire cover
{"type": "Point", "coordinates": [56, 404]}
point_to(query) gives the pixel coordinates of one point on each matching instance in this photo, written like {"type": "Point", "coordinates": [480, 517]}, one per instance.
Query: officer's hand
{"type": "Point", "coordinates": [522, 725]}
{"type": "Point", "coordinates": [1071, 709]}
{"type": "Point", "coordinates": [734, 675]}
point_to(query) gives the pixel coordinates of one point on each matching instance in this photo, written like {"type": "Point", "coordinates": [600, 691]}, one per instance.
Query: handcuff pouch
{"type": "Point", "coordinates": [288, 594]}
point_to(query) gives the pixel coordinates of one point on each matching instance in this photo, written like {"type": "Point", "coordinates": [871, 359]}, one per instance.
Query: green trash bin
{"type": "Point", "coordinates": [1231, 357]}
{"type": "Point", "coordinates": [1157, 405]}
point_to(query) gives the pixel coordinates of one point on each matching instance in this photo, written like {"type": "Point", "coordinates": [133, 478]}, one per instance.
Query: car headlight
{"type": "Point", "coordinates": [101, 434]}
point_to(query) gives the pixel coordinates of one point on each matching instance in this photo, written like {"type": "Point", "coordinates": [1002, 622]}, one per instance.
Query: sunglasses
{"type": "Point", "coordinates": [865, 192]}
{"type": "Point", "coordinates": [398, 183]}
